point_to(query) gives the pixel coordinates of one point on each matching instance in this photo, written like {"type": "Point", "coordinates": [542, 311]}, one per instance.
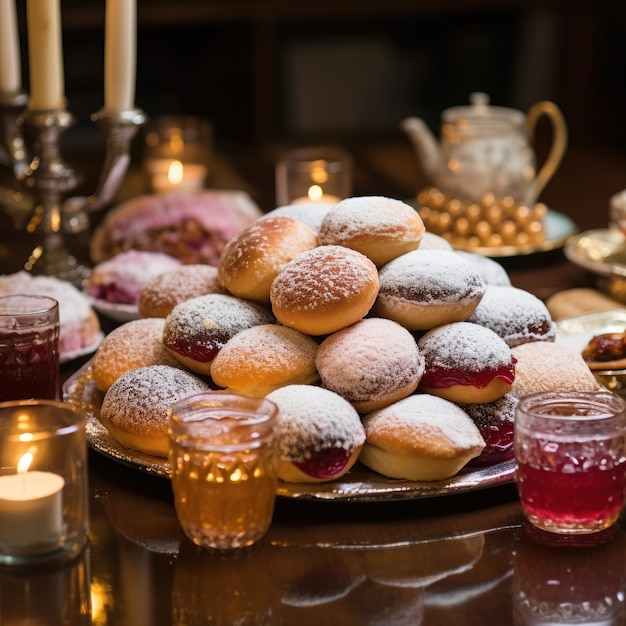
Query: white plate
{"type": "Point", "coordinates": [117, 312]}
{"type": "Point", "coordinates": [575, 332]}
{"type": "Point", "coordinates": [359, 485]}
{"type": "Point", "coordinates": [601, 251]}
{"type": "Point", "coordinates": [66, 357]}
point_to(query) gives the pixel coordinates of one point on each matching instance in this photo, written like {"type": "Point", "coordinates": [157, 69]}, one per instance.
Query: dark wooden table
{"type": "Point", "coordinates": [464, 559]}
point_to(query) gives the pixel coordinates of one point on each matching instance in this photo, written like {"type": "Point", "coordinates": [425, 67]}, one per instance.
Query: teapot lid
{"type": "Point", "coordinates": [479, 111]}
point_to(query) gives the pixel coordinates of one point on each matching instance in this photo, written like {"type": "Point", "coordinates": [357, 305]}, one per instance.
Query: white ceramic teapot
{"type": "Point", "coordinates": [487, 149]}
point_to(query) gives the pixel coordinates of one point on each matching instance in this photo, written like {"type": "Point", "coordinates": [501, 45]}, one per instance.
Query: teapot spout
{"type": "Point", "coordinates": [425, 145]}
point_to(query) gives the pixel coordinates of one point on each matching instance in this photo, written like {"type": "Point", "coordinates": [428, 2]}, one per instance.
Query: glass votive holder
{"type": "Point", "coordinates": [313, 175]}
{"type": "Point", "coordinates": [224, 467]}
{"type": "Point", "coordinates": [177, 153]}
{"type": "Point", "coordinates": [43, 481]}
{"type": "Point", "coordinates": [570, 452]}
{"type": "Point", "coordinates": [29, 347]}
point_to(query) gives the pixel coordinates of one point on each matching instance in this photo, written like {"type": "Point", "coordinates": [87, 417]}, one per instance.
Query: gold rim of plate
{"type": "Point", "coordinates": [359, 485]}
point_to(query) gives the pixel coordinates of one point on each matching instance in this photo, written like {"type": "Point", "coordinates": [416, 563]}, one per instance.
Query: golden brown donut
{"type": "Point", "coordinates": [371, 363]}
{"type": "Point", "coordinates": [380, 228]}
{"type": "Point", "coordinates": [466, 363]}
{"type": "Point", "coordinates": [422, 437]}
{"type": "Point", "coordinates": [250, 261]}
{"type": "Point", "coordinates": [426, 288]}
{"type": "Point", "coordinates": [135, 408]}
{"type": "Point", "coordinates": [324, 289]}
{"type": "Point", "coordinates": [320, 433]}
{"type": "Point", "coordinates": [161, 294]}
{"type": "Point", "coordinates": [137, 343]}
{"type": "Point", "coordinates": [263, 358]}
{"type": "Point", "coordinates": [197, 329]}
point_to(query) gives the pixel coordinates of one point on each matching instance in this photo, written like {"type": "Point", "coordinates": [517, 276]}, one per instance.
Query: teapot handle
{"type": "Point", "coordinates": [557, 150]}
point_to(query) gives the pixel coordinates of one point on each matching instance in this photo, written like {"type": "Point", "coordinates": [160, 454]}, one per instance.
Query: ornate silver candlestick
{"type": "Point", "coordinates": [39, 202]}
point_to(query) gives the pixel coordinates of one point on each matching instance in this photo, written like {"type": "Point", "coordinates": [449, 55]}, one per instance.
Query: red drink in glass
{"type": "Point", "coordinates": [29, 348]}
{"type": "Point", "coordinates": [570, 455]}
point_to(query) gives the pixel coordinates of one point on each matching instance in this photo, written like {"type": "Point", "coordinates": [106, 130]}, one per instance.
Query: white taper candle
{"type": "Point", "coordinates": [10, 71]}
{"type": "Point", "coordinates": [120, 53]}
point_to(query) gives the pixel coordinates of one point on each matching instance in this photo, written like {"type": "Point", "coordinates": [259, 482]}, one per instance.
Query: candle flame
{"type": "Point", "coordinates": [24, 463]}
{"type": "Point", "coordinates": [315, 193]}
{"type": "Point", "coordinates": [175, 172]}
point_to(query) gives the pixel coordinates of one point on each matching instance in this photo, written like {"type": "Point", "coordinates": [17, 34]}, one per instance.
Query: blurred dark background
{"type": "Point", "coordinates": [266, 70]}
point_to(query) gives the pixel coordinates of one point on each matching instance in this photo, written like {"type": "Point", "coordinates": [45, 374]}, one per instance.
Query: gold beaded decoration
{"type": "Point", "coordinates": [491, 223]}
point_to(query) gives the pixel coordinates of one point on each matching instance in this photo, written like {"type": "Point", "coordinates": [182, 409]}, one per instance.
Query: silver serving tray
{"type": "Point", "coordinates": [602, 251]}
{"type": "Point", "coordinates": [360, 484]}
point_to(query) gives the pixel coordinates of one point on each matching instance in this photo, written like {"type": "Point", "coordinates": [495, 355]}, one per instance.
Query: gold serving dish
{"type": "Point", "coordinates": [575, 333]}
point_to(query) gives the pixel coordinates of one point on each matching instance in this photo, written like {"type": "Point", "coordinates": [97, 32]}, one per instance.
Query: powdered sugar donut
{"type": "Point", "coordinates": [193, 228]}
{"type": "Point", "coordinates": [79, 326]}
{"type": "Point", "coordinates": [431, 241]}
{"type": "Point", "coordinates": [135, 408]}
{"type": "Point", "coordinates": [310, 213]}
{"type": "Point", "coordinates": [252, 259]}
{"type": "Point", "coordinates": [380, 228]}
{"type": "Point", "coordinates": [426, 288]}
{"type": "Point", "coordinates": [137, 343]}
{"type": "Point", "coordinates": [320, 433]}
{"type": "Point", "coordinates": [422, 437]}
{"type": "Point", "coordinates": [119, 280]}
{"type": "Point", "coordinates": [490, 271]}
{"type": "Point", "coordinates": [260, 359]}
{"type": "Point", "coordinates": [197, 329]}
{"type": "Point", "coordinates": [496, 422]}
{"type": "Point", "coordinates": [161, 294]}
{"type": "Point", "coordinates": [371, 364]}
{"type": "Point", "coordinates": [515, 315]}
{"type": "Point", "coordinates": [324, 289]}
{"type": "Point", "coordinates": [466, 363]}
{"type": "Point", "coordinates": [547, 366]}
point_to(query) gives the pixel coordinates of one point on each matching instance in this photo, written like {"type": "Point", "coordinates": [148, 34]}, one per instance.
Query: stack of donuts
{"type": "Point", "coordinates": [376, 340]}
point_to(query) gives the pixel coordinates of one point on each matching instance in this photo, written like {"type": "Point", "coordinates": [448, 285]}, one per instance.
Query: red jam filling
{"type": "Point", "coordinates": [440, 378]}
{"type": "Point", "coordinates": [196, 351]}
{"type": "Point", "coordinates": [499, 445]}
{"type": "Point", "coordinates": [326, 463]}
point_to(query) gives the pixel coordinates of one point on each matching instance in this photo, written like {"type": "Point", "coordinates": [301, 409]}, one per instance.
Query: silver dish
{"type": "Point", "coordinates": [575, 333]}
{"type": "Point", "coordinates": [601, 251]}
{"type": "Point", "coordinates": [361, 484]}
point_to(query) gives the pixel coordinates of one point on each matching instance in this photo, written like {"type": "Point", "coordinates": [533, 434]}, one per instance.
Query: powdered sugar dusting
{"type": "Point", "coordinates": [138, 401]}
{"type": "Point", "coordinates": [490, 414]}
{"type": "Point", "coordinates": [515, 315]}
{"type": "Point", "coordinates": [321, 277]}
{"type": "Point", "coordinates": [312, 419]}
{"type": "Point", "coordinates": [464, 346]}
{"type": "Point", "coordinates": [369, 360]}
{"type": "Point", "coordinates": [423, 423]}
{"type": "Point", "coordinates": [427, 276]}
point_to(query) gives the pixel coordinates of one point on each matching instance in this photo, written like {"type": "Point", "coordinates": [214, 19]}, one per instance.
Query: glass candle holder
{"type": "Point", "coordinates": [570, 452]}
{"type": "Point", "coordinates": [43, 481]}
{"type": "Point", "coordinates": [313, 175]}
{"type": "Point", "coordinates": [224, 467]}
{"type": "Point", "coordinates": [29, 348]}
{"type": "Point", "coordinates": [177, 153]}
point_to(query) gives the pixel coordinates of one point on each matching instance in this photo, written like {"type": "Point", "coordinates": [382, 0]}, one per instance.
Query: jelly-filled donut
{"type": "Point", "coordinates": [515, 315]}
{"type": "Point", "coordinates": [427, 288]}
{"type": "Point", "coordinates": [260, 359]}
{"type": "Point", "coordinates": [495, 421]}
{"type": "Point", "coordinates": [161, 294]}
{"type": "Point", "coordinates": [380, 228]}
{"type": "Point", "coordinates": [196, 329]}
{"type": "Point", "coordinates": [371, 364]}
{"type": "Point", "coordinates": [135, 408]}
{"type": "Point", "coordinates": [252, 258]}
{"type": "Point", "coordinates": [422, 437]}
{"type": "Point", "coordinates": [324, 289]}
{"type": "Point", "coordinates": [137, 343]}
{"type": "Point", "coordinates": [320, 433]}
{"type": "Point", "coordinates": [466, 363]}
{"type": "Point", "coordinates": [547, 366]}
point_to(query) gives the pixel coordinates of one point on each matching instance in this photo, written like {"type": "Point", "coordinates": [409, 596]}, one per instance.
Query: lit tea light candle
{"type": "Point", "coordinates": [316, 195]}
{"type": "Point", "coordinates": [31, 507]}
{"type": "Point", "coordinates": [174, 175]}
{"type": "Point", "coordinates": [10, 73]}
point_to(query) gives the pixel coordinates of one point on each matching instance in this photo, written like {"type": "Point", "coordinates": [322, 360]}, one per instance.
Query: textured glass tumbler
{"type": "Point", "coordinates": [44, 496]}
{"type": "Point", "coordinates": [29, 348]}
{"type": "Point", "coordinates": [570, 451]}
{"type": "Point", "coordinates": [224, 468]}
